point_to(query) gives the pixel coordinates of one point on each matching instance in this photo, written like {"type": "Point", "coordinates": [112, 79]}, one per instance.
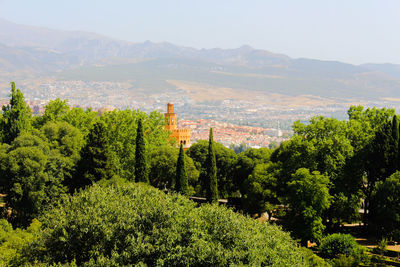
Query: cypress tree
{"type": "Point", "coordinates": [211, 172]}
{"type": "Point", "coordinates": [16, 116]}
{"type": "Point", "coordinates": [95, 163]}
{"type": "Point", "coordinates": [181, 184]}
{"type": "Point", "coordinates": [140, 156]}
{"type": "Point", "coordinates": [395, 137]}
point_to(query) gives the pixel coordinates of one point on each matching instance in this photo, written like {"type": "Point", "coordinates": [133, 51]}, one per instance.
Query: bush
{"type": "Point", "coordinates": [137, 224]}
{"type": "Point", "coordinates": [13, 242]}
{"type": "Point", "coordinates": [314, 260]}
{"type": "Point", "coordinates": [335, 245]}
{"type": "Point", "coordinates": [344, 261]}
{"type": "Point", "coordinates": [381, 247]}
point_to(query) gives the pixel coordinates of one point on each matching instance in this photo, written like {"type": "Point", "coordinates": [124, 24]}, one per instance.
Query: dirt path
{"type": "Point", "coordinates": [372, 243]}
{"type": "Point", "coordinates": [369, 242]}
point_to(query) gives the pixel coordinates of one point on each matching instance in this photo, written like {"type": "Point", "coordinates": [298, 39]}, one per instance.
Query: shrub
{"type": "Point", "coordinates": [344, 261]}
{"type": "Point", "coordinates": [13, 242]}
{"type": "Point", "coordinates": [314, 260]}
{"type": "Point", "coordinates": [136, 224]}
{"type": "Point", "coordinates": [381, 247]}
{"type": "Point", "coordinates": [339, 244]}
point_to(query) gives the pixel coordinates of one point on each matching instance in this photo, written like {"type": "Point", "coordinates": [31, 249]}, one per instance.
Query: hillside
{"type": "Point", "coordinates": [300, 77]}
{"type": "Point", "coordinates": [150, 66]}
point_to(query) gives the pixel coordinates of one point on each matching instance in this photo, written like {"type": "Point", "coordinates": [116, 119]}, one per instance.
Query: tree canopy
{"type": "Point", "coordinates": [136, 224]}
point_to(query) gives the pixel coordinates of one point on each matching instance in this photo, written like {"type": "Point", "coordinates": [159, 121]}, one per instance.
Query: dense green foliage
{"type": "Point", "coordinates": [385, 207]}
{"type": "Point", "coordinates": [225, 162]}
{"type": "Point", "coordinates": [66, 149]}
{"type": "Point", "coordinates": [308, 198]}
{"type": "Point", "coordinates": [181, 185]}
{"type": "Point", "coordinates": [314, 260]}
{"type": "Point", "coordinates": [31, 175]}
{"type": "Point", "coordinates": [260, 188]}
{"type": "Point", "coordinates": [372, 137]}
{"type": "Point", "coordinates": [122, 130]}
{"type": "Point", "coordinates": [245, 164]}
{"type": "Point", "coordinates": [135, 223]}
{"type": "Point", "coordinates": [55, 110]}
{"type": "Point", "coordinates": [95, 162]}
{"type": "Point", "coordinates": [163, 163]}
{"type": "Point", "coordinates": [311, 184]}
{"type": "Point", "coordinates": [13, 243]}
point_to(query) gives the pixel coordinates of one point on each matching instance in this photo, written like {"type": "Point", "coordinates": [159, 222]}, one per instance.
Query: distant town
{"type": "Point", "coordinates": [234, 121]}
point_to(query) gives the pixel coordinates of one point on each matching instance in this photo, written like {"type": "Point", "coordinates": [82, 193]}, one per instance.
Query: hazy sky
{"type": "Point", "coordinates": [354, 31]}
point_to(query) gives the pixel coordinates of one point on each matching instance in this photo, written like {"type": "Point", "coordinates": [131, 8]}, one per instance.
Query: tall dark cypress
{"type": "Point", "coordinates": [95, 162]}
{"type": "Point", "coordinates": [181, 184]}
{"type": "Point", "coordinates": [140, 156]}
{"type": "Point", "coordinates": [211, 172]}
{"type": "Point", "coordinates": [395, 137]}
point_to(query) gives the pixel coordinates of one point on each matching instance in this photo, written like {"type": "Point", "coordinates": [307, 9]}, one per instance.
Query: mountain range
{"type": "Point", "coordinates": [75, 55]}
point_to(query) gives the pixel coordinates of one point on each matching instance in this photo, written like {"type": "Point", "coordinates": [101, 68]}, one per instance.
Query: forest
{"type": "Point", "coordinates": [85, 189]}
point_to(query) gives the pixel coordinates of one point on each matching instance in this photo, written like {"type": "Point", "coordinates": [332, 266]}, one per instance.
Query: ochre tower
{"type": "Point", "coordinates": [182, 136]}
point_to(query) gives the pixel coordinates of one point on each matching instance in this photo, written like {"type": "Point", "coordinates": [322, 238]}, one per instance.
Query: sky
{"type": "Point", "coordinates": [352, 31]}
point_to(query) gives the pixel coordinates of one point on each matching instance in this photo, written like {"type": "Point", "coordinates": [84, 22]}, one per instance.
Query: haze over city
{"type": "Point", "coordinates": [359, 31]}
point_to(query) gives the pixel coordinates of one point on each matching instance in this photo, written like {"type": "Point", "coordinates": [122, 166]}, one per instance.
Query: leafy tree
{"type": "Point", "coordinates": [385, 207]}
{"type": "Point", "coordinates": [377, 166]}
{"type": "Point", "coordinates": [258, 155]}
{"type": "Point", "coordinates": [135, 224]}
{"type": "Point", "coordinates": [211, 172]}
{"type": "Point", "coordinates": [261, 188]}
{"type": "Point", "coordinates": [163, 168]}
{"type": "Point", "coordinates": [331, 147]}
{"type": "Point", "coordinates": [239, 148]}
{"type": "Point", "coordinates": [30, 176]}
{"type": "Point", "coordinates": [141, 174]}
{"type": "Point", "coordinates": [308, 198]}
{"type": "Point", "coordinates": [64, 137]}
{"type": "Point", "coordinates": [122, 129]}
{"type": "Point", "coordinates": [55, 110]}
{"type": "Point", "coordinates": [65, 143]}
{"type": "Point", "coordinates": [162, 171]}
{"type": "Point", "coordinates": [79, 118]}
{"type": "Point", "coordinates": [95, 161]}
{"type": "Point", "coordinates": [324, 145]}
{"type": "Point", "coordinates": [16, 116]}
{"type": "Point", "coordinates": [371, 134]}
{"type": "Point", "coordinates": [344, 208]}
{"type": "Point", "coordinates": [181, 176]}
{"type": "Point", "coordinates": [245, 164]}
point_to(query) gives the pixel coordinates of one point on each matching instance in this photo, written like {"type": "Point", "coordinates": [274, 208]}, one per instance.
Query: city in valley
{"type": "Point", "coordinates": [263, 122]}
{"type": "Point", "coordinates": [235, 121]}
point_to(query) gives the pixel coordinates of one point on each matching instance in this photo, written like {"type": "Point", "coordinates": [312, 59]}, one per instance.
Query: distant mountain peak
{"type": "Point", "coordinates": [246, 48]}
{"type": "Point", "coordinates": [37, 50]}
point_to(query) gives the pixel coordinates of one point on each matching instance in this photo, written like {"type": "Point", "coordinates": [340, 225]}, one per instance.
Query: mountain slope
{"type": "Point", "coordinates": [149, 66]}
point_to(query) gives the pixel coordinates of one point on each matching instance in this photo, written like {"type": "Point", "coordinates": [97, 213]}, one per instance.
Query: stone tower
{"type": "Point", "coordinates": [182, 136]}
{"type": "Point", "coordinates": [170, 116]}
